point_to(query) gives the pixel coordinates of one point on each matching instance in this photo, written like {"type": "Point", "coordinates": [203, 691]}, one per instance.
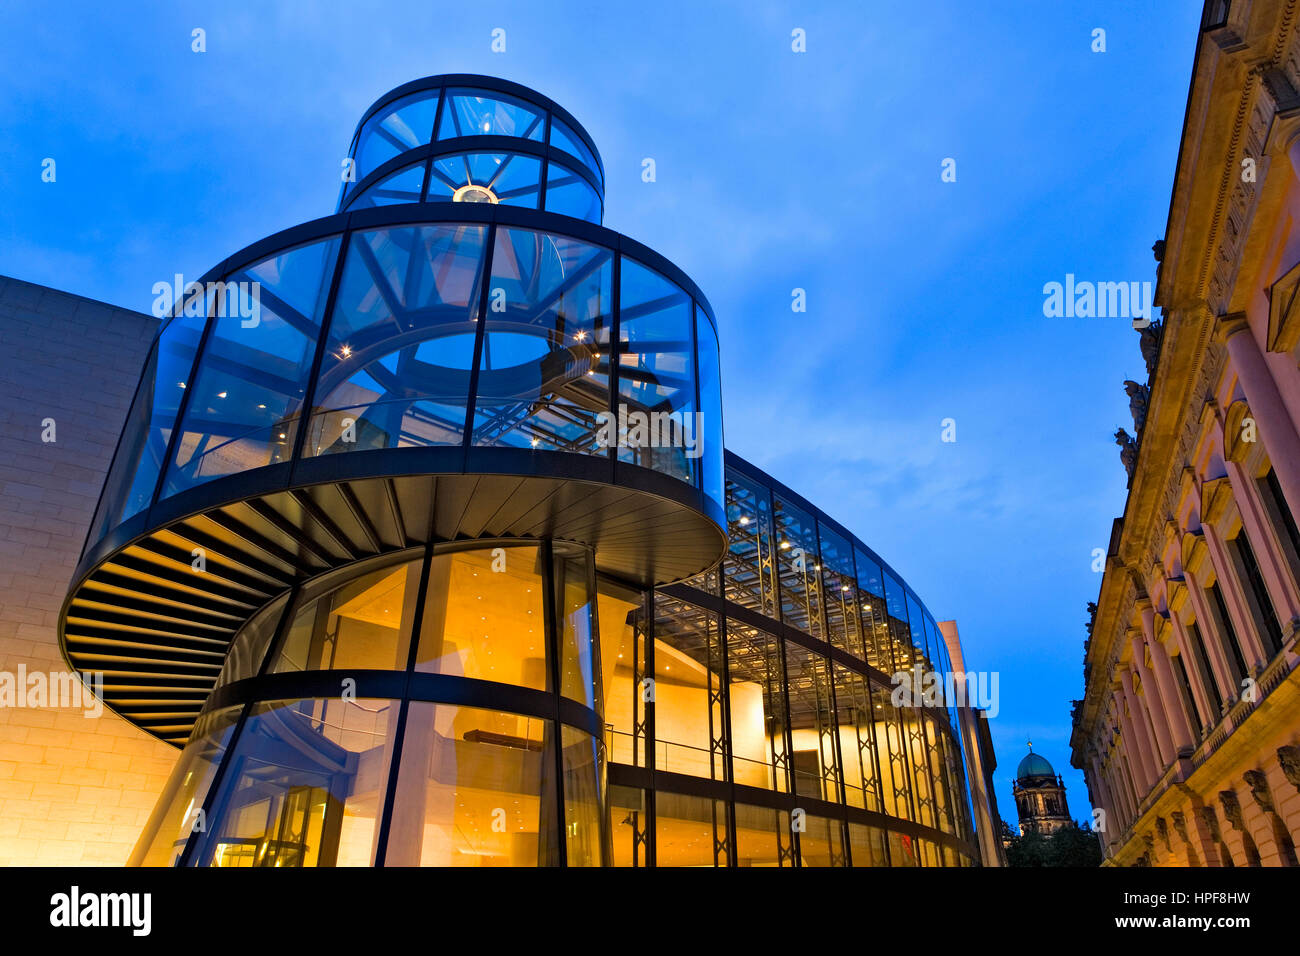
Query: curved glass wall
{"type": "Point", "coordinates": [554, 167]}
{"type": "Point", "coordinates": [508, 178]}
{"type": "Point", "coordinates": [744, 723]}
{"type": "Point", "coordinates": [418, 335]}
{"type": "Point", "coordinates": [303, 780]}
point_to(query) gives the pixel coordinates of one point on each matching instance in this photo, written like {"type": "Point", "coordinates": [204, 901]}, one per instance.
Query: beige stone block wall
{"type": "Point", "coordinates": [73, 789]}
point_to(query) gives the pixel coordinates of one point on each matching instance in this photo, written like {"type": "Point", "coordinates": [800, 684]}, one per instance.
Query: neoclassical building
{"type": "Point", "coordinates": [1040, 796]}
{"type": "Point", "coordinates": [1188, 733]}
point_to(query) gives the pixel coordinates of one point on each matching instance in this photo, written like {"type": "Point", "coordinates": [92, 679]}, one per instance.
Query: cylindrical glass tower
{"type": "Point", "coordinates": [420, 543]}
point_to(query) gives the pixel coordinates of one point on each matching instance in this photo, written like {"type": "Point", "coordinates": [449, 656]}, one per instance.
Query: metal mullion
{"type": "Point", "coordinates": [697, 466]}
{"type": "Point", "coordinates": [480, 334]}
{"type": "Point", "coordinates": [117, 448]}
{"type": "Point", "coordinates": [789, 753]}
{"type": "Point", "coordinates": [729, 768]}
{"type": "Point", "coordinates": [615, 349]}
{"type": "Point", "coordinates": [650, 730]}
{"type": "Point", "coordinates": [183, 405]}
{"type": "Point", "coordinates": [433, 137]}
{"type": "Point", "coordinates": [323, 334]}
{"type": "Point", "coordinates": [552, 635]}
{"type": "Point", "coordinates": [195, 840]}
{"type": "Point", "coordinates": [399, 731]}
{"type": "Point", "coordinates": [546, 163]}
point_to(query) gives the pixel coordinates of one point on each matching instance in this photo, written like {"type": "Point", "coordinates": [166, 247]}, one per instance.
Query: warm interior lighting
{"type": "Point", "coordinates": [472, 193]}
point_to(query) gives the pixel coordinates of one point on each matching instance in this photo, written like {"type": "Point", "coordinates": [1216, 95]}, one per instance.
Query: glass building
{"type": "Point", "coordinates": [421, 541]}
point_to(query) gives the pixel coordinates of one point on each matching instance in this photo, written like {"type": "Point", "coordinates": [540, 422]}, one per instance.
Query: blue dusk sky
{"type": "Point", "coordinates": [776, 170]}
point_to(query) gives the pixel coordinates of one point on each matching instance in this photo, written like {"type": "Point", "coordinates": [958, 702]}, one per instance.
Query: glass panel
{"type": "Point", "coordinates": [748, 570]}
{"type": "Point", "coordinates": [248, 649]}
{"type": "Point", "coordinates": [657, 425]}
{"type": "Point", "coordinates": [822, 843]}
{"type": "Point", "coordinates": [544, 373]}
{"type": "Point", "coordinates": [484, 617]}
{"type": "Point", "coordinates": [579, 652]}
{"type": "Point", "coordinates": [902, 850]}
{"type": "Point", "coordinates": [868, 845]}
{"type": "Point", "coordinates": [397, 363]}
{"type": "Point", "coordinates": [305, 787]}
{"type": "Point", "coordinates": [710, 407]}
{"type": "Point", "coordinates": [871, 612]}
{"type": "Point", "coordinates": [178, 811]}
{"type": "Point", "coordinates": [402, 125]}
{"type": "Point", "coordinates": [403, 186]}
{"type": "Point", "coordinates": [913, 723]}
{"type": "Point", "coordinates": [900, 633]}
{"type": "Point", "coordinates": [945, 793]}
{"type": "Point", "coordinates": [690, 735]}
{"type": "Point", "coordinates": [149, 426]}
{"type": "Point", "coordinates": [245, 403]}
{"type": "Point", "coordinates": [476, 113]}
{"type": "Point", "coordinates": [812, 727]}
{"type": "Point", "coordinates": [562, 137]}
{"type": "Point", "coordinates": [628, 825]}
{"type": "Point", "coordinates": [895, 772]}
{"type": "Point", "coordinates": [759, 726]}
{"type": "Point", "coordinates": [569, 194]}
{"type": "Point", "coordinates": [474, 788]}
{"type": "Point", "coordinates": [364, 623]}
{"type": "Point", "coordinates": [799, 568]}
{"type": "Point", "coordinates": [584, 808]}
{"type": "Point", "coordinates": [920, 653]}
{"type": "Point", "coordinates": [763, 837]}
{"type": "Point", "coordinates": [857, 742]}
{"type": "Point", "coordinates": [126, 461]}
{"type": "Point", "coordinates": [841, 592]}
{"type": "Point", "coordinates": [689, 831]}
{"type": "Point", "coordinates": [513, 178]}
{"type": "Point", "coordinates": [623, 628]}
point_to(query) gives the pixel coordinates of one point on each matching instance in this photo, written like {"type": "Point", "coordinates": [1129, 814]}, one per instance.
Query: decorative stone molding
{"type": "Point", "coordinates": [1234, 429]}
{"type": "Point", "coordinates": [1195, 551]}
{"type": "Point", "coordinates": [1289, 758]}
{"type": "Point", "coordinates": [1162, 828]}
{"type": "Point", "coordinates": [1284, 312]}
{"type": "Point", "coordinates": [1258, 783]}
{"type": "Point", "coordinates": [1232, 810]}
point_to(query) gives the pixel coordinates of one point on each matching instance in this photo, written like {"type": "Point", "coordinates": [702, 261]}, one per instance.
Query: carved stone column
{"type": "Point", "coordinates": [1180, 731]}
{"type": "Point", "coordinates": [1153, 695]}
{"type": "Point", "coordinates": [1136, 727]}
{"type": "Point", "coordinates": [1271, 415]}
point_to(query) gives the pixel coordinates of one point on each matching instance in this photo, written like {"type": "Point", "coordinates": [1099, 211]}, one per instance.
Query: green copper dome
{"type": "Point", "coordinates": [1034, 766]}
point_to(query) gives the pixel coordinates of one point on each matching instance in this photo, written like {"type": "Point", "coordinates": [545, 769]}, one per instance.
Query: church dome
{"type": "Point", "coordinates": [1034, 766]}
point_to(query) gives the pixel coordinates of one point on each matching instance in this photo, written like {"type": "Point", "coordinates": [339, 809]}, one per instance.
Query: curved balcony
{"type": "Point", "coordinates": [380, 379]}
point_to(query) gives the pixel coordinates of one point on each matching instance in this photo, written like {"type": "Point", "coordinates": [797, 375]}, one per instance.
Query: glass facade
{"type": "Point", "coordinates": [724, 742]}
{"type": "Point", "coordinates": [518, 697]}
{"type": "Point", "coordinates": [384, 338]}
{"type": "Point", "coordinates": [452, 145]}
